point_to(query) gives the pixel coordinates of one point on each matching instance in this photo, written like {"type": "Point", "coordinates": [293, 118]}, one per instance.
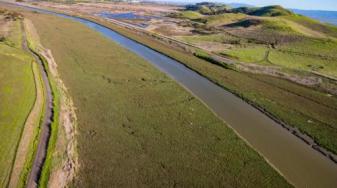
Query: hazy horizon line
{"type": "Point", "coordinates": [214, 1]}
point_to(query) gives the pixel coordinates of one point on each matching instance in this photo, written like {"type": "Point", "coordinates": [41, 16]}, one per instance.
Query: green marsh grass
{"type": "Point", "coordinates": [137, 127]}
{"type": "Point", "coordinates": [264, 91]}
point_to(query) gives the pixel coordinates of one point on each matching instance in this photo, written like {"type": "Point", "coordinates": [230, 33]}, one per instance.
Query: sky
{"type": "Point", "coordinates": [299, 4]}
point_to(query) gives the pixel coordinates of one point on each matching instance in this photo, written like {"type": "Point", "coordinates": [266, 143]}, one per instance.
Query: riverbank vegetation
{"type": "Point", "coordinates": [136, 126]}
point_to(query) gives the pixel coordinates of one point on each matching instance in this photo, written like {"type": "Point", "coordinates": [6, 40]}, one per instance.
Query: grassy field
{"type": "Point", "coordinates": [329, 30]}
{"type": "Point", "coordinates": [309, 55]}
{"type": "Point", "coordinates": [220, 38]}
{"type": "Point", "coordinates": [17, 95]}
{"type": "Point", "coordinates": [189, 15]}
{"type": "Point", "coordinates": [221, 19]}
{"type": "Point", "coordinates": [136, 126]}
{"type": "Point", "coordinates": [253, 54]}
{"type": "Point", "coordinates": [311, 111]}
{"type": "Point", "coordinates": [303, 62]}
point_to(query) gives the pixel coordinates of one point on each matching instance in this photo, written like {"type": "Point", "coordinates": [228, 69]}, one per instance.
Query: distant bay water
{"type": "Point", "coordinates": [321, 15]}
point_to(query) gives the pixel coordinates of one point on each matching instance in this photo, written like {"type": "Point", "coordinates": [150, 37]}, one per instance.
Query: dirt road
{"type": "Point", "coordinates": [29, 132]}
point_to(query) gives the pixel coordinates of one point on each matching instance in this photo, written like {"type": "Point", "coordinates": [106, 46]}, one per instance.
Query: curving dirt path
{"type": "Point", "coordinates": [30, 126]}
{"type": "Point", "coordinates": [41, 151]}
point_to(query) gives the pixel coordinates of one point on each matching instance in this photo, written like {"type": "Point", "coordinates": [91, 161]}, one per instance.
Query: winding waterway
{"type": "Point", "coordinates": [296, 161]}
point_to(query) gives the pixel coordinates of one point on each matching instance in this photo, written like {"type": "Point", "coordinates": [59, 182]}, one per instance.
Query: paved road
{"type": "Point", "coordinates": [41, 152]}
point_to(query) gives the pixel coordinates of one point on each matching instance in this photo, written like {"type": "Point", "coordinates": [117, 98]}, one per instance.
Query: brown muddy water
{"type": "Point", "coordinates": [301, 165]}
